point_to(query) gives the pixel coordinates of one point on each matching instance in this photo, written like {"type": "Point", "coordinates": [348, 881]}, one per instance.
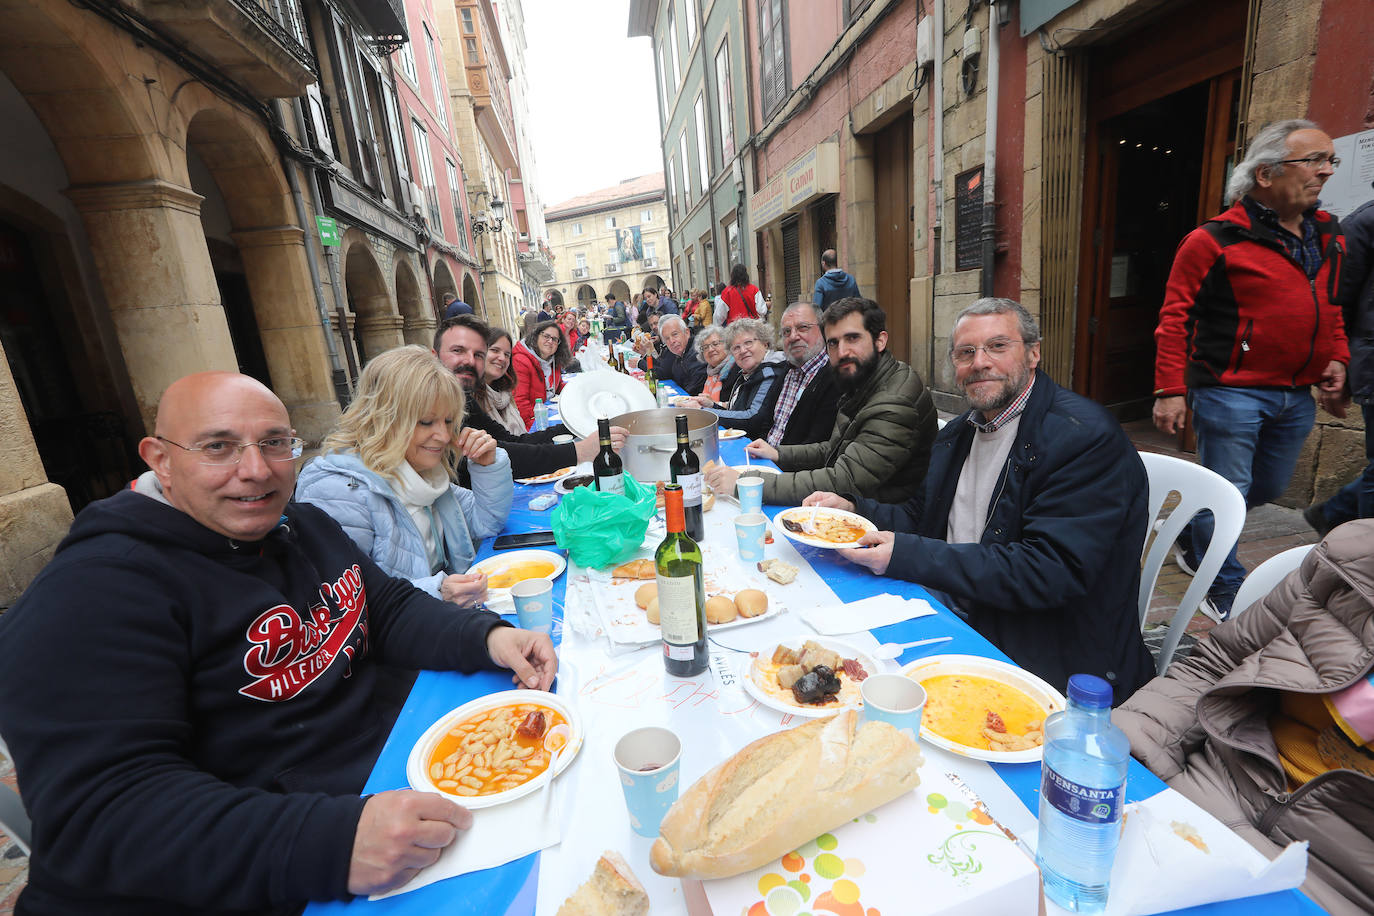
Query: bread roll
{"type": "Point", "coordinates": [646, 593]}
{"type": "Point", "coordinates": [651, 611]}
{"type": "Point", "coordinates": [782, 791]}
{"type": "Point", "coordinates": [720, 609]}
{"type": "Point", "coordinates": [751, 602]}
{"type": "Point", "coordinates": [612, 890]}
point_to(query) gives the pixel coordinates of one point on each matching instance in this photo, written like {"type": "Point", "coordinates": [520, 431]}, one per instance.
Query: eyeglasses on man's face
{"type": "Point", "coordinates": [998, 346]}
{"type": "Point", "coordinates": [798, 329]}
{"type": "Point", "coordinates": [222, 451]}
{"type": "Point", "coordinates": [1315, 161]}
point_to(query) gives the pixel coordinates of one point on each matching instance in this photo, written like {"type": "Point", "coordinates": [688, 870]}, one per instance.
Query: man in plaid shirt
{"type": "Point", "coordinates": [809, 383]}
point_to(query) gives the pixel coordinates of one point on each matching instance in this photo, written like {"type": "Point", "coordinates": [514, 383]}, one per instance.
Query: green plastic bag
{"type": "Point", "coordinates": [602, 529]}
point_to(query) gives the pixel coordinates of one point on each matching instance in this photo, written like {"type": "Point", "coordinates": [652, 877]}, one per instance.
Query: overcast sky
{"type": "Point", "coordinates": [595, 121]}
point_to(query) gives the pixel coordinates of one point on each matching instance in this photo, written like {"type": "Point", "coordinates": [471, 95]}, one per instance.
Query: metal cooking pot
{"type": "Point", "coordinates": [652, 439]}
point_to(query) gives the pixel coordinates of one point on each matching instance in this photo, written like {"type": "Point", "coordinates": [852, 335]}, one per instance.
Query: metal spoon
{"type": "Point", "coordinates": [890, 650]}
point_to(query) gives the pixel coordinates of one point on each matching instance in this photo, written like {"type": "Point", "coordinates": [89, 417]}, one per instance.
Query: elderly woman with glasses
{"type": "Point", "coordinates": [539, 360]}
{"type": "Point", "coordinates": [388, 473]}
{"type": "Point", "coordinates": [755, 390]}
{"type": "Point", "coordinates": [710, 346]}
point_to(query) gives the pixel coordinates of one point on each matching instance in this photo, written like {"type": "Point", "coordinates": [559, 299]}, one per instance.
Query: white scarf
{"type": "Point", "coordinates": [418, 494]}
{"type": "Point", "coordinates": [501, 408]}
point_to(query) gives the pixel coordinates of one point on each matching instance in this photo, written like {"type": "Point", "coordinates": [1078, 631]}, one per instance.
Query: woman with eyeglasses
{"type": "Point", "coordinates": [755, 390]}
{"type": "Point", "coordinates": [710, 346]}
{"type": "Point", "coordinates": [388, 473]}
{"type": "Point", "coordinates": [539, 361]}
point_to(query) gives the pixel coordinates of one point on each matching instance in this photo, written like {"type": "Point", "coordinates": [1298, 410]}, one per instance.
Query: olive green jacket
{"type": "Point", "coordinates": [880, 446]}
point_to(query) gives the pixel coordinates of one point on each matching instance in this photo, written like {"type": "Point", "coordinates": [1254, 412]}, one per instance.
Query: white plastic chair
{"type": "Point", "coordinates": [1265, 576]}
{"type": "Point", "coordinates": [14, 820]}
{"type": "Point", "coordinates": [1198, 489]}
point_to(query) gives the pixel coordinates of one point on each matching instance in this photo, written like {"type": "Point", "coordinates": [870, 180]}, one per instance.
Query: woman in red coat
{"type": "Point", "coordinates": [539, 359]}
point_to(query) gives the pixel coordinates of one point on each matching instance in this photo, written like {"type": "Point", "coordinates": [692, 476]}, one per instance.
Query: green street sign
{"type": "Point", "coordinates": [329, 230]}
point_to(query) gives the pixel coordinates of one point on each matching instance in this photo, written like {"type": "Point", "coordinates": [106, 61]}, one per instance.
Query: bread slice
{"type": "Point", "coordinates": [780, 792]}
{"type": "Point", "coordinates": [612, 890]}
{"type": "Point", "coordinates": [635, 569]}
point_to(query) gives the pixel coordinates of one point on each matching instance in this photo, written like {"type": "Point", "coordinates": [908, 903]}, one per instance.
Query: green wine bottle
{"type": "Point", "coordinates": [681, 593]}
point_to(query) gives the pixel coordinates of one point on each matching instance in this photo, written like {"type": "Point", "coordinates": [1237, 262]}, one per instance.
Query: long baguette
{"type": "Point", "coordinates": [781, 791]}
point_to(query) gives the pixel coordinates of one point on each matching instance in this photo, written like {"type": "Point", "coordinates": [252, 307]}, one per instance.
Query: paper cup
{"type": "Point", "coordinates": [564, 439]}
{"type": "Point", "coordinates": [896, 700]}
{"type": "Point", "coordinates": [750, 493]}
{"type": "Point", "coordinates": [749, 534]}
{"type": "Point", "coordinates": [534, 604]}
{"type": "Point", "coordinates": [648, 762]}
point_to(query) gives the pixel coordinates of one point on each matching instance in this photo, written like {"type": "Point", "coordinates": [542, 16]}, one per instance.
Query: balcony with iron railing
{"type": "Point", "coordinates": [241, 38]}
{"type": "Point", "coordinates": [613, 268]}
{"type": "Point", "coordinates": [580, 273]}
{"type": "Point", "coordinates": [650, 263]}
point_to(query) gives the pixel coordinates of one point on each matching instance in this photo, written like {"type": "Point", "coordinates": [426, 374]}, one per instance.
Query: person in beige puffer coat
{"type": "Point", "coordinates": [1242, 726]}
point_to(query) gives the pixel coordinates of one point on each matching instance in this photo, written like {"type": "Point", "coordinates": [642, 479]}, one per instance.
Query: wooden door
{"type": "Point", "coordinates": [892, 216]}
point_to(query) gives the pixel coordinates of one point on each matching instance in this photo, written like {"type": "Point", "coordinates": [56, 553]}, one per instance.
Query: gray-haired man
{"type": "Point", "coordinates": [1249, 325]}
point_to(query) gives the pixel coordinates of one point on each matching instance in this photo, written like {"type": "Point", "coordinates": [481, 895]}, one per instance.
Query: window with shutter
{"type": "Point", "coordinates": [772, 56]}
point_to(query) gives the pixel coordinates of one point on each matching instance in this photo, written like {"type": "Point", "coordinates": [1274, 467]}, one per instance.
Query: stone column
{"type": "Point", "coordinates": [289, 326]}
{"type": "Point", "coordinates": [149, 248]}
{"type": "Point", "coordinates": [380, 332]}
{"type": "Point", "coordinates": [34, 514]}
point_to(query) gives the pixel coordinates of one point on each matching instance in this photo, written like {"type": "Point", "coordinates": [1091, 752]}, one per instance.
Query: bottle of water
{"type": "Point", "coordinates": [541, 414]}
{"type": "Point", "coordinates": [1082, 791]}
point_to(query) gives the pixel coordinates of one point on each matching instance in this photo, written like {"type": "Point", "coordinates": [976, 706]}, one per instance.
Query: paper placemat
{"type": "Point", "coordinates": [834, 619]}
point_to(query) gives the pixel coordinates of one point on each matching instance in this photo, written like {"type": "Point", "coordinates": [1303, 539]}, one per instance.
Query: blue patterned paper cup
{"type": "Point", "coordinates": [533, 604]}
{"type": "Point", "coordinates": [895, 699]}
{"type": "Point", "coordinates": [749, 534]}
{"type": "Point", "coordinates": [648, 762]}
{"type": "Point", "coordinates": [749, 491]}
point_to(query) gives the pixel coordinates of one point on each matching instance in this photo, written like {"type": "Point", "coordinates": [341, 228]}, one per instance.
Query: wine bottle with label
{"type": "Point", "coordinates": [606, 467]}
{"type": "Point", "coordinates": [685, 469]}
{"type": "Point", "coordinates": [681, 593]}
{"type": "Point", "coordinates": [649, 379]}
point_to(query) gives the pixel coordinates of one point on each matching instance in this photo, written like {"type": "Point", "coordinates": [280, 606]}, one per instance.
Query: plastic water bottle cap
{"type": "Point", "coordinates": [1090, 691]}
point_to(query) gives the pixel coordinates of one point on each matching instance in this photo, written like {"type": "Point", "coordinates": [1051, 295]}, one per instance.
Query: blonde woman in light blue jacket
{"type": "Point", "coordinates": [387, 476]}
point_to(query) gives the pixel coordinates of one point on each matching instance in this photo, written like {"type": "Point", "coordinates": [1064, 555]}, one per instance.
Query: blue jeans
{"type": "Point", "coordinates": [1252, 437]}
{"type": "Point", "coordinates": [1355, 499]}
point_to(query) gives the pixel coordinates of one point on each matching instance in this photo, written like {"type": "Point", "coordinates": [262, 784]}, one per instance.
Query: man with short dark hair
{"type": "Point", "coordinates": [884, 422]}
{"type": "Point", "coordinates": [834, 284]}
{"type": "Point", "coordinates": [809, 397]}
{"type": "Point", "coordinates": [456, 307]}
{"type": "Point", "coordinates": [461, 345]}
{"type": "Point", "coordinates": [1249, 325]}
{"type": "Point", "coordinates": [1032, 516]}
{"type": "Point", "coordinates": [195, 738]}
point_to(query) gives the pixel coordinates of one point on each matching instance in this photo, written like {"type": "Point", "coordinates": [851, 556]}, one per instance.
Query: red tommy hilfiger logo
{"type": "Point", "coordinates": [289, 653]}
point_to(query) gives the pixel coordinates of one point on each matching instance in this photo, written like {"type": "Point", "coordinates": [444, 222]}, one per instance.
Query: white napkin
{"type": "Point", "coordinates": [1157, 870]}
{"type": "Point", "coordinates": [498, 835]}
{"type": "Point", "coordinates": [864, 614]}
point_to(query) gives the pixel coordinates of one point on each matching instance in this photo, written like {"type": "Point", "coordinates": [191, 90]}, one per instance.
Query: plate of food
{"type": "Point", "coordinates": [509, 567]}
{"type": "Point", "coordinates": [678, 400]}
{"type": "Point", "coordinates": [822, 527]}
{"type": "Point", "coordinates": [546, 478]}
{"type": "Point", "coordinates": [724, 433]}
{"type": "Point", "coordinates": [810, 676]}
{"type": "Point", "coordinates": [984, 708]}
{"type": "Point", "coordinates": [756, 470]}
{"type": "Point", "coordinates": [580, 476]}
{"type": "Point", "coordinates": [494, 749]}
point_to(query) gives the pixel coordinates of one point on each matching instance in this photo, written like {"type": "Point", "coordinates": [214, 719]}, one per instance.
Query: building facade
{"type": "Point", "coordinates": [701, 70]}
{"type": "Point", "coordinates": [609, 242]}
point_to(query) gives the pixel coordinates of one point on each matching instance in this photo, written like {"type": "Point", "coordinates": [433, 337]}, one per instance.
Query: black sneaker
{"type": "Point", "coordinates": [1316, 517]}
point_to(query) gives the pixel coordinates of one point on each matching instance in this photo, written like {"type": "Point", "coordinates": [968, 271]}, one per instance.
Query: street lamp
{"type": "Point", "coordinates": [491, 219]}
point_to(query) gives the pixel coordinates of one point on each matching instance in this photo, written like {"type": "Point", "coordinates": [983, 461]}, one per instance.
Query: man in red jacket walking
{"type": "Point", "coordinates": [1248, 325]}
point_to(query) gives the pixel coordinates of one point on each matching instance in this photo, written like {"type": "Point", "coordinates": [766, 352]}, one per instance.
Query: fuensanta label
{"type": "Point", "coordinates": [1083, 803]}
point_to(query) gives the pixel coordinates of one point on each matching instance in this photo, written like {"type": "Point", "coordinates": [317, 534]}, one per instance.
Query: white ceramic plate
{"type": "Point", "coordinates": [417, 765]}
{"type": "Point", "coordinates": [751, 676]}
{"type": "Point", "coordinates": [505, 558]}
{"type": "Point", "coordinates": [593, 395]}
{"type": "Point", "coordinates": [754, 469]}
{"type": "Point", "coordinates": [561, 486]}
{"type": "Point", "coordinates": [546, 478]}
{"type": "Point", "coordinates": [1035, 688]}
{"type": "Point", "coordinates": [801, 514]}
{"type": "Point", "coordinates": [729, 433]}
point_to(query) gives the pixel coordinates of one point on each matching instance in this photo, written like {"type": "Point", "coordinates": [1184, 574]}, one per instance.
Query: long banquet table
{"type": "Point", "coordinates": [511, 889]}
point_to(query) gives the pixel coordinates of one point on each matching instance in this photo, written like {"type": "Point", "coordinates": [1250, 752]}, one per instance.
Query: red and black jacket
{"type": "Point", "coordinates": [1240, 311]}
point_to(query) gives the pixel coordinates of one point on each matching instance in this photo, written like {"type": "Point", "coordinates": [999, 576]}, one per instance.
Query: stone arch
{"type": "Point", "coordinates": [620, 290]}
{"type": "Point", "coordinates": [585, 295]}
{"type": "Point", "coordinates": [444, 285]}
{"type": "Point", "coordinates": [653, 280]}
{"type": "Point", "coordinates": [470, 295]}
{"type": "Point", "coordinates": [376, 325]}
{"type": "Point", "coordinates": [419, 322]}
{"type": "Point", "coordinates": [555, 297]}
{"type": "Point", "coordinates": [246, 169]}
